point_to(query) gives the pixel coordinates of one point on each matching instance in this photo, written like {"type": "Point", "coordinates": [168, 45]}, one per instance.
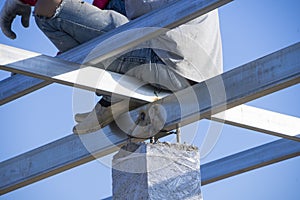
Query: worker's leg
{"type": "Point", "coordinates": [143, 64]}
{"type": "Point", "coordinates": [76, 22]}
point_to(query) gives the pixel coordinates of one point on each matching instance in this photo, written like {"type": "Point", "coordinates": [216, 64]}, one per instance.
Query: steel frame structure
{"type": "Point", "coordinates": [243, 84]}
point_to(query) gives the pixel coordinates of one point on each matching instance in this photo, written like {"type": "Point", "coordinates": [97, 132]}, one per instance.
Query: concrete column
{"type": "Point", "coordinates": [156, 171]}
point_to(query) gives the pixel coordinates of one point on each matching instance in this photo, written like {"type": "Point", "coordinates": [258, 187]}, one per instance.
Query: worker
{"type": "Point", "coordinates": [182, 56]}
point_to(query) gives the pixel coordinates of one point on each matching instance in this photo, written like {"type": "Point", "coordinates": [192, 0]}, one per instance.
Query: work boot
{"type": "Point", "coordinates": [99, 117]}
{"type": "Point", "coordinates": [79, 117]}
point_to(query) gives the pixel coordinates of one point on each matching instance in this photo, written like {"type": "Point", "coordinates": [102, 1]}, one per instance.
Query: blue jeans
{"type": "Point", "coordinates": [76, 22]}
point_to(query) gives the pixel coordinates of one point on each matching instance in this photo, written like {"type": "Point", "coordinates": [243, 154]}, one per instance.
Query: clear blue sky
{"type": "Point", "coordinates": [250, 29]}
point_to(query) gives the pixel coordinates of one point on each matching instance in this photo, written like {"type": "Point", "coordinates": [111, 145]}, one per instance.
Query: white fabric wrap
{"type": "Point", "coordinates": [193, 50]}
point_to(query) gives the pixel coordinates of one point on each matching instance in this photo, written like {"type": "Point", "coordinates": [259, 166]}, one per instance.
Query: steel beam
{"type": "Point", "coordinates": [17, 86]}
{"type": "Point", "coordinates": [263, 76]}
{"type": "Point", "coordinates": [250, 159]}
{"type": "Point", "coordinates": [56, 157]}
{"type": "Point", "coordinates": [72, 74]}
{"type": "Point", "coordinates": [182, 11]}
{"type": "Point", "coordinates": [68, 73]}
{"type": "Point", "coordinates": [240, 85]}
{"type": "Point", "coordinates": [261, 120]}
{"type": "Point", "coordinates": [48, 160]}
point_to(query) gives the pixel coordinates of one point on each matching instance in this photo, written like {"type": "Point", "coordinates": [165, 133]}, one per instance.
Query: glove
{"type": "Point", "coordinates": [10, 10]}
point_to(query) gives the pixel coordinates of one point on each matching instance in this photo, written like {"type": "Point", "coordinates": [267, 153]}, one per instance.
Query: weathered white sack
{"type": "Point", "coordinates": [193, 50]}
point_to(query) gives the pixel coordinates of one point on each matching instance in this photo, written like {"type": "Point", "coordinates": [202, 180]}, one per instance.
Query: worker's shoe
{"type": "Point", "coordinates": [99, 117]}
{"type": "Point", "coordinates": [79, 117]}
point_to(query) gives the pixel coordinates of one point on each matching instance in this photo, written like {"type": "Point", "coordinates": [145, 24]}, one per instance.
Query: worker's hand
{"type": "Point", "coordinates": [10, 10]}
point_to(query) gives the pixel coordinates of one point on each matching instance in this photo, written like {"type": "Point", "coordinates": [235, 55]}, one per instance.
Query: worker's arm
{"type": "Point", "coordinates": [12, 8]}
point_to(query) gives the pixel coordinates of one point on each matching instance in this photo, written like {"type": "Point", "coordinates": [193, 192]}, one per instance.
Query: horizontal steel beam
{"type": "Point", "coordinates": [250, 159]}
{"type": "Point", "coordinates": [263, 76]}
{"type": "Point", "coordinates": [182, 11]}
{"type": "Point", "coordinates": [261, 120]}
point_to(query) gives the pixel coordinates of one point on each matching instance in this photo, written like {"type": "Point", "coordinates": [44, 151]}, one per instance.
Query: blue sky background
{"type": "Point", "coordinates": [250, 29]}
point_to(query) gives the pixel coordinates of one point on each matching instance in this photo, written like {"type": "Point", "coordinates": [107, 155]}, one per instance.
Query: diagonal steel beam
{"type": "Point", "coordinates": [72, 74]}
{"type": "Point", "coordinates": [19, 85]}
{"type": "Point", "coordinates": [182, 11]}
{"type": "Point", "coordinates": [56, 157]}
{"type": "Point", "coordinates": [240, 85]}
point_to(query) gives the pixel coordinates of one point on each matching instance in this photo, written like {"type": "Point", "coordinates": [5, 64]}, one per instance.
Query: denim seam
{"type": "Point", "coordinates": [87, 27]}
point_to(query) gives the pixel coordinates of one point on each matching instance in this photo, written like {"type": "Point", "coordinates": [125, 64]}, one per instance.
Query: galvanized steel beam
{"type": "Point", "coordinates": [56, 157]}
{"type": "Point", "coordinates": [261, 120]}
{"type": "Point", "coordinates": [73, 74]}
{"type": "Point", "coordinates": [250, 159]}
{"type": "Point", "coordinates": [240, 85]}
{"type": "Point", "coordinates": [17, 86]}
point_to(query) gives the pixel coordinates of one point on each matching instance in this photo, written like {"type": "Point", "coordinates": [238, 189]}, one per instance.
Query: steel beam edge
{"type": "Point", "coordinates": [17, 86]}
